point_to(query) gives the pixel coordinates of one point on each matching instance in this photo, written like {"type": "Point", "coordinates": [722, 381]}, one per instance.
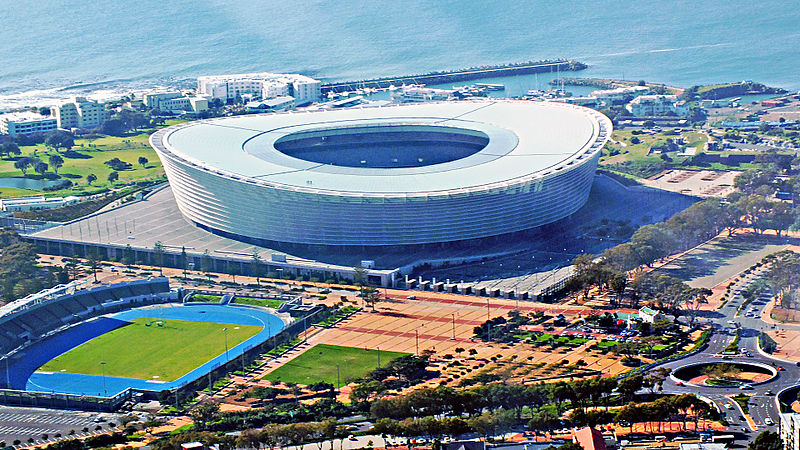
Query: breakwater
{"type": "Point", "coordinates": [591, 82]}
{"type": "Point", "coordinates": [455, 76]}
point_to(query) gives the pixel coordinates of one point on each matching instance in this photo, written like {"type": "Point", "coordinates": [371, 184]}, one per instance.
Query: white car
{"type": "Point", "coordinates": [769, 421]}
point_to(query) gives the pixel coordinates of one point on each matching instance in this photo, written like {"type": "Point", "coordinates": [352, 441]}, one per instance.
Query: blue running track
{"type": "Point", "coordinates": [22, 372]}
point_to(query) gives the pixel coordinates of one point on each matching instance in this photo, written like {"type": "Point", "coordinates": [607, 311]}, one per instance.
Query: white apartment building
{"type": "Point", "coordinates": [26, 123]}
{"type": "Point", "coordinates": [657, 105]}
{"type": "Point", "coordinates": [790, 431]}
{"type": "Point", "coordinates": [609, 96]}
{"type": "Point", "coordinates": [175, 101]}
{"type": "Point", "coordinates": [256, 86]}
{"type": "Point", "coordinates": [80, 113]}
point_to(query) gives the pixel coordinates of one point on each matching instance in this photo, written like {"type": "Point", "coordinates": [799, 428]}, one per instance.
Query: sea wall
{"type": "Point", "coordinates": [503, 70]}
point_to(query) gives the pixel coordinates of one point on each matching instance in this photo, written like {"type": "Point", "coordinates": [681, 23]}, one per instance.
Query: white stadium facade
{"type": "Point", "coordinates": [388, 176]}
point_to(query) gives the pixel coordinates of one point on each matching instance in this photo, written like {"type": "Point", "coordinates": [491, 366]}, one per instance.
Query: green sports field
{"type": "Point", "coordinates": [318, 364]}
{"type": "Point", "coordinates": [151, 351]}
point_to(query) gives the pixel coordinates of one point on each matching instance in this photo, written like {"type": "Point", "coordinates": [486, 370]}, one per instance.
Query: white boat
{"type": "Point", "coordinates": [491, 86]}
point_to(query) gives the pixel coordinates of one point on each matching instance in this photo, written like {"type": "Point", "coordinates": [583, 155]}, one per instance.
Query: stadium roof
{"type": "Point", "coordinates": [525, 138]}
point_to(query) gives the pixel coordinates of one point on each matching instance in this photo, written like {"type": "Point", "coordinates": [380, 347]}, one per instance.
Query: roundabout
{"type": "Point", "coordinates": [724, 374]}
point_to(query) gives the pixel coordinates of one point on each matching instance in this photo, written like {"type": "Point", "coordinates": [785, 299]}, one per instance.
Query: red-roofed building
{"type": "Point", "coordinates": [589, 439]}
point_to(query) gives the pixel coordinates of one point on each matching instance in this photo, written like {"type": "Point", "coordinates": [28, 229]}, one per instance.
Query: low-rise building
{"type": "Point", "coordinates": [790, 431]}
{"type": "Point", "coordinates": [80, 113]}
{"type": "Point", "coordinates": [582, 101]}
{"type": "Point", "coordinates": [262, 85]}
{"type": "Point", "coordinates": [589, 438]}
{"type": "Point", "coordinates": [26, 123]}
{"type": "Point", "coordinates": [657, 105]}
{"type": "Point", "coordinates": [650, 315]}
{"type": "Point", "coordinates": [175, 101]}
{"type": "Point", "coordinates": [622, 94]}
{"type": "Point", "coordinates": [703, 446]}
{"type": "Point", "coordinates": [282, 103]}
{"type": "Point", "coordinates": [36, 203]}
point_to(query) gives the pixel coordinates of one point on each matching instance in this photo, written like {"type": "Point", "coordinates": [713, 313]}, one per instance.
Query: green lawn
{"type": "Point", "coordinates": [139, 351]}
{"type": "Point", "coordinates": [95, 153]}
{"type": "Point", "coordinates": [319, 364]}
{"type": "Point", "coordinates": [265, 302]}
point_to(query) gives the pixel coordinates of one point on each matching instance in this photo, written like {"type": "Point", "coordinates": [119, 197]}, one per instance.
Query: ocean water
{"type": "Point", "coordinates": [57, 48]}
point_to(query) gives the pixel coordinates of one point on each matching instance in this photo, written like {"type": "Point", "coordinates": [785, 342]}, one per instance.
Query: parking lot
{"type": "Point", "coordinates": [44, 426]}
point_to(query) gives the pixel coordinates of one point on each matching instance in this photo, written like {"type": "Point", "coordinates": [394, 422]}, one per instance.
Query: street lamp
{"type": "Point", "coordinates": [454, 326]}
{"type": "Point", "coordinates": [103, 371]}
{"type": "Point", "coordinates": [225, 332]}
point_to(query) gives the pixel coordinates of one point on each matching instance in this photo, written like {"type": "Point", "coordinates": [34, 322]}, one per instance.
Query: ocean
{"type": "Point", "coordinates": [54, 49]}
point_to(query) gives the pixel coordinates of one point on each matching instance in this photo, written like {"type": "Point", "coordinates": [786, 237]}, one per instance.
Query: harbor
{"type": "Point", "coordinates": [456, 76]}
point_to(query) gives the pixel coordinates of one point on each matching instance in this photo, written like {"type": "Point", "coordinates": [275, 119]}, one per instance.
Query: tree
{"type": "Point", "coordinates": [56, 161]}
{"type": "Point", "coordinates": [92, 258]}
{"type": "Point", "coordinates": [629, 385]}
{"type": "Point", "coordinates": [91, 178]}
{"type": "Point", "coordinates": [559, 393]}
{"type": "Point", "coordinates": [23, 164]}
{"type": "Point", "coordinates": [767, 440]}
{"type": "Point", "coordinates": [159, 250]}
{"type": "Point", "coordinates": [359, 275]}
{"type": "Point", "coordinates": [128, 255]}
{"type": "Point", "coordinates": [205, 413]}
{"type": "Point", "coordinates": [113, 127]}
{"type": "Point", "coordinates": [40, 167]}
{"type": "Point", "coordinates": [143, 161]}
{"type": "Point", "coordinates": [543, 420]}
{"type": "Point", "coordinates": [369, 294]}
{"type": "Point", "coordinates": [113, 176]}
{"type": "Point", "coordinates": [257, 267]}
{"type": "Point", "coordinates": [10, 148]}
{"type": "Point", "coordinates": [60, 139]}
{"type": "Point", "coordinates": [183, 261]}
{"type": "Point", "coordinates": [118, 164]}
{"type": "Point", "coordinates": [206, 263]}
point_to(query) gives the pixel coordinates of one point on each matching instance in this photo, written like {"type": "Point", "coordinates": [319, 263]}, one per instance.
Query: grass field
{"type": "Point", "coordinates": [267, 302]}
{"type": "Point", "coordinates": [95, 153]}
{"type": "Point", "coordinates": [318, 364]}
{"type": "Point", "coordinates": [146, 352]}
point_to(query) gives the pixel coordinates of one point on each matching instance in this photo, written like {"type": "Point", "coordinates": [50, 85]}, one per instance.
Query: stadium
{"type": "Point", "coordinates": [93, 348]}
{"type": "Point", "coordinates": [390, 176]}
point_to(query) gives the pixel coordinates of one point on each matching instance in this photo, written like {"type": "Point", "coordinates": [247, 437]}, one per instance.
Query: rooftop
{"type": "Point", "coordinates": [25, 116]}
{"type": "Point", "coordinates": [526, 139]}
{"type": "Point", "coordinates": [255, 76]}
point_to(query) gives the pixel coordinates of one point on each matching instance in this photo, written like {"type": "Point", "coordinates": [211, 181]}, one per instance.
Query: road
{"type": "Point", "coordinates": [762, 405]}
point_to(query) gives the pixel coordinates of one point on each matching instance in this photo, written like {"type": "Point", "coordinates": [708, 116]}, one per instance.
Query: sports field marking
{"type": "Point", "coordinates": [148, 348]}
{"type": "Point", "coordinates": [318, 364]}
